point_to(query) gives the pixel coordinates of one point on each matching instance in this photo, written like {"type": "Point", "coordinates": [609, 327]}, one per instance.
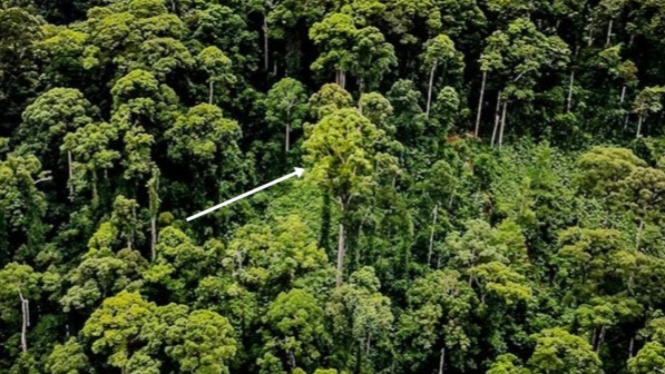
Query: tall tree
{"type": "Point", "coordinates": [348, 157]}
{"type": "Point", "coordinates": [440, 51]}
{"type": "Point", "coordinates": [286, 106]}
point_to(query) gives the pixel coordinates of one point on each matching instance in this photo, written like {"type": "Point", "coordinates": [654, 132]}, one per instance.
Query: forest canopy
{"type": "Point", "coordinates": [483, 192]}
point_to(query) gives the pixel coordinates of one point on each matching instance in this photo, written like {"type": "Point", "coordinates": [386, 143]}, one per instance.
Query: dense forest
{"type": "Point", "coordinates": [483, 192]}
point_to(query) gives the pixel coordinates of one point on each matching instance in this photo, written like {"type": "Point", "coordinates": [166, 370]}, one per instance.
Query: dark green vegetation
{"type": "Point", "coordinates": [484, 186]}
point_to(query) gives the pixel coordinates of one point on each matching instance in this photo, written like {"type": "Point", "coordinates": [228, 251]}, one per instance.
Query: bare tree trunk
{"type": "Point", "coordinates": [638, 236]}
{"type": "Point", "coordinates": [340, 255]}
{"type": "Point", "coordinates": [69, 165]}
{"type": "Point", "coordinates": [442, 360]}
{"type": "Point", "coordinates": [431, 235]}
{"type": "Point", "coordinates": [266, 62]}
{"type": "Point", "coordinates": [153, 235]}
{"type": "Point", "coordinates": [630, 347]}
{"type": "Point", "coordinates": [288, 136]}
{"type": "Point", "coordinates": [429, 89]}
{"type": "Point", "coordinates": [569, 99]}
{"type": "Point", "coordinates": [95, 195]}
{"type": "Point", "coordinates": [480, 105]}
{"type": "Point", "coordinates": [601, 338]}
{"type": "Point", "coordinates": [361, 85]}
{"type": "Point", "coordinates": [210, 91]}
{"type": "Point", "coordinates": [609, 33]}
{"type": "Point", "coordinates": [369, 343]}
{"type": "Point", "coordinates": [623, 94]}
{"type": "Point", "coordinates": [639, 126]}
{"type": "Point", "coordinates": [496, 118]}
{"type": "Point", "coordinates": [503, 122]}
{"type": "Point", "coordinates": [25, 314]}
{"type": "Point", "coordinates": [292, 360]}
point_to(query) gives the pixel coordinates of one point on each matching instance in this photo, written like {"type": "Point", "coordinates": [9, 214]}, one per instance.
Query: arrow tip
{"type": "Point", "coordinates": [299, 171]}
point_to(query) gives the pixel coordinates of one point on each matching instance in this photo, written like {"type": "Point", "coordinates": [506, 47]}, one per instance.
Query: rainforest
{"type": "Point", "coordinates": [483, 186]}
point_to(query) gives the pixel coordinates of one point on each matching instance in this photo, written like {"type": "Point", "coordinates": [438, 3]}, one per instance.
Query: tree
{"type": "Point", "coordinates": [286, 106]}
{"type": "Point", "coordinates": [53, 115]}
{"type": "Point", "coordinates": [179, 263]}
{"type": "Point", "coordinates": [335, 35]}
{"type": "Point", "coordinates": [68, 358]}
{"type": "Point", "coordinates": [117, 324]}
{"type": "Point", "coordinates": [295, 329]}
{"type": "Point", "coordinates": [523, 52]}
{"type": "Point", "coordinates": [206, 142]}
{"type": "Point", "coordinates": [372, 57]}
{"type": "Point", "coordinates": [643, 194]}
{"type": "Point", "coordinates": [328, 99]}
{"type": "Point", "coordinates": [91, 151]}
{"type": "Point", "coordinates": [507, 364]}
{"type": "Point", "coordinates": [378, 110]}
{"type": "Point", "coordinates": [440, 51]}
{"type": "Point", "coordinates": [21, 283]}
{"type": "Point", "coordinates": [22, 206]}
{"type": "Point", "coordinates": [647, 101]}
{"type": "Point", "coordinates": [164, 57]}
{"type": "Point", "coordinates": [124, 219]}
{"type": "Point", "coordinates": [19, 75]}
{"type": "Point", "coordinates": [362, 318]}
{"type": "Point", "coordinates": [602, 169]}
{"type": "Point", "coordinates": [434, 324]}
{"type": "Point", "coordinates": [557, 351]}
{"type": "Point", "coordinates": [345, 151]}
{"type": "Point", "coordinates": [218, 67]}
{"type": "Point", "coordinates": [203, 342]}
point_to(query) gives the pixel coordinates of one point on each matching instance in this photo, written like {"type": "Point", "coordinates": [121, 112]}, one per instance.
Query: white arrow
{"type": "Point", "coordinates": [298, 172]}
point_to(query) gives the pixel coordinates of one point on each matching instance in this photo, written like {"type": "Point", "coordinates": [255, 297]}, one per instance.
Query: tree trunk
{"type": "Point", "coordinates": [288, 136]}
{"type": "Point", "coordinates": [638, 236]}
{"type": "Point", "coordinates": [95, 195]}
{"type": "Point", "coordinates": [292, 360]}
{"type": "Point", "coordinates": [69, 166]}
{"type": "Point", "coordinates": [630, 347]}
{"type": "Point", "coordinates": [361, 85]}
{"type": "Point", "coordinates": [369, 343]}
{"type": "Point", "coordinates": [623, 94]}
{"type": "Point", "coordinates": [266, 62]}
{"type": "Point", "coordinates": [609, 34]}
{"type": "Point", "coordinates": [442, 360]}
{"type": "Point", "coordinates": [480, 104]}
{"type": "Point", "coordinates": [431, 235]}
{"type": "Point", "coordinates": [25, 314]}
{"type": "Point", "coordinates": [429, 89]}
{"type": "Point", "coordinates": [503, 122]}
{"type": "Point", "coordinates": [210, 91]}
{"type": "Point", "coordinates": [340, 255]}
{"type": "Point", "coordinates": [153, 235]}
{"type": "Point", "coordinates": [496, 118]}
{"type": "Point", "coordinates": [569, 99]}
{"type": "Point", "coordinates": [639, 126]}
{"type": "Point", "coordinates": [601, 338]}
